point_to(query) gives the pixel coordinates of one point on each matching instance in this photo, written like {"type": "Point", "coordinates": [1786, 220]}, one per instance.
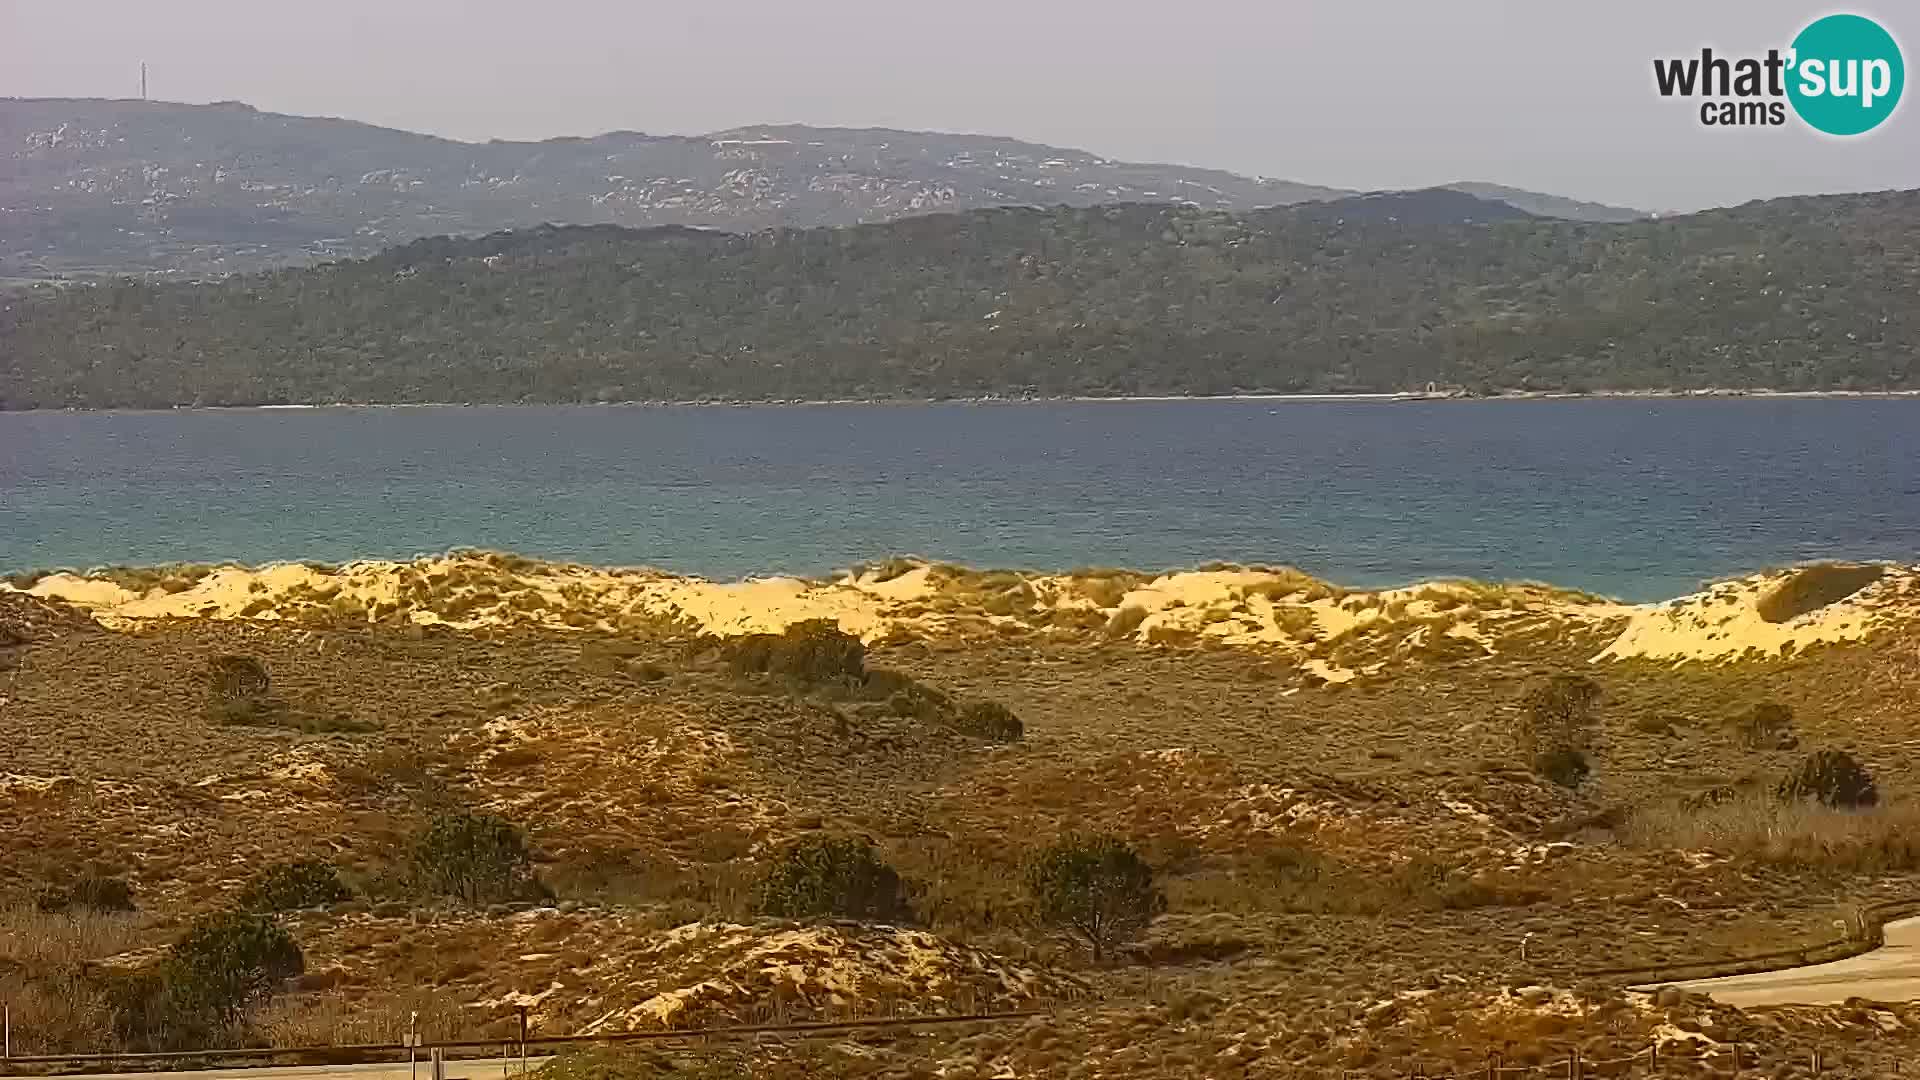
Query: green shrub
{"type": "Point", "coordinates": [474, 857]}
{"type": "Point", "coordinates": [814, 651]}
{"type": "Point", "coordinates": [832, 876]}
{"type": "Point", "coordinates": [1096, 886]}
{"type": "Point", "coordinates": [89, 892]}
{"type": "Point", "coordinates": [226, 963]}
{"type": "Point", "coordinates": [1564, 766]}
{"type": "Point", "coordinates": [293, 885]}
{"type": "Point", "coordinates": [1833, 778]}
{"type": "Point", "coordinates": [989, 720]}
{"type": "Point", "coordinates": [1556, 714]}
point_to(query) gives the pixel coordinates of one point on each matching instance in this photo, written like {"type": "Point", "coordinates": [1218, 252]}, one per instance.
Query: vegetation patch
{"type": "Point", "coordinates": [833, 876]}
{"type": "Point", "coordinates": [475, 858]}
{"type": "Point", "coordinates": [293, 885]}
{"type": "Point", "coordinates": [1096, 886]}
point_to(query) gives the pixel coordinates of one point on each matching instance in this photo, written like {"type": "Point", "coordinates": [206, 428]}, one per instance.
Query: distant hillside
{"type": "Point", "coordinates": [1807, 293]}
{"type": "Point", "coordinates": [90, 185]}
{"type": "Point", "coordinates": [1534, 202]}
{"type": "Point", "coordinates": [1431, 206]}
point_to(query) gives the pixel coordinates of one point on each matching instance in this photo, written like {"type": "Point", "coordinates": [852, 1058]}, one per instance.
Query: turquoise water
{"type": "Point", "coordinates": [1637, 498]}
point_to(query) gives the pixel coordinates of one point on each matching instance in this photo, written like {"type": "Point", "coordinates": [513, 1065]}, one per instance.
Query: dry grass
{"type": "Point", "coordinates": [1801, 835]}
{"type": "Point", "coordinates": [36, 941]}
{"type": "Point", "coordinates": [334, 1018]}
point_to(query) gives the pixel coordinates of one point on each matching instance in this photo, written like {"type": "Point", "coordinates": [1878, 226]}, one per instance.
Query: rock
{"type": "Point", "coordinates": [392, 909]}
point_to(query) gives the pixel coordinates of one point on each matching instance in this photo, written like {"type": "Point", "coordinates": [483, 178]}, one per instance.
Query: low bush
{"type": "Point", "coordinates": [989, 720]}
{"type": "Point", "coordinates": [231, 678]}
{"type": "Point", "coordinates": [840, 876]}
{"type": "Point", "coordinates": [1833, 778]}
{"type": "Point", "coordinates": [1097, 886]}
{"type": "Point", "coordinates": [1563, 765]}
{"type": "Point", "coordinates": [293, 885]}
{"type": "Point", "coordinates": [88, 892]}
{"type": "Point", "coordinates": [473, 857]}
{"type": "Point", "coordinates": [226, 964]}
{"type": "Point", "coordinates": [814, 651]}
{"type": "Point", "coordinates": [1556, 714]}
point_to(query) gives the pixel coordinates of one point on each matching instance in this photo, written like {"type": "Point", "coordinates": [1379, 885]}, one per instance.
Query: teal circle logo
{"type": "Point", "coordinates": [1846, 76]}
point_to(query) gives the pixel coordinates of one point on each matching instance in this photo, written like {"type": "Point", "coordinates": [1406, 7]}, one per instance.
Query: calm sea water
{"type": "Point", "coordinates": [1641, 499]}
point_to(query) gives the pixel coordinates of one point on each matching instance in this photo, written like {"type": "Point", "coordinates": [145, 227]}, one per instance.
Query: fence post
{"type": "Point", "coordinates": [1653, 1053]}
{"type": "Point", "coordinates": [1493, 1065]}
{"type": "Point", "coordinates": [8, 1009]}
{"type": "Point", "coordinates": [1573, 1064]}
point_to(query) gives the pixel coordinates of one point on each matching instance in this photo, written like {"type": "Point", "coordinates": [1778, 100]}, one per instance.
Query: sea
{"type": "Point", "coordinates": [1639, 498]}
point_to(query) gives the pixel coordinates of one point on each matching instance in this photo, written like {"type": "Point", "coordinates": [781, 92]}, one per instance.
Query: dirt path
{"type": "Point", "coordinates": [1889, 973]}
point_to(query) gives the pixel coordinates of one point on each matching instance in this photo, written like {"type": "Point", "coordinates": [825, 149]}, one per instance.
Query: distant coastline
{"type": "Point", "coordinates": [1118, 399]}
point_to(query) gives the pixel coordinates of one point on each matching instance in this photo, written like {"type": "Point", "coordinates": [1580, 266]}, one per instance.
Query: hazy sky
{"type": "Point", "coordinates": [1543, 94]}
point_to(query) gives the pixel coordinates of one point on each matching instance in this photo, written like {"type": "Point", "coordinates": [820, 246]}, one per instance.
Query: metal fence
{"type": "Point", "coordinates": [362, 1053]}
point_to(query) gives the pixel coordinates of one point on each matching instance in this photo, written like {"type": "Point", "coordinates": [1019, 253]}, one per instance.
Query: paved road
{"type": "Point", "coordinates": [467, 1069]}
{"type": "Point", "coordinates": [1891, 973]}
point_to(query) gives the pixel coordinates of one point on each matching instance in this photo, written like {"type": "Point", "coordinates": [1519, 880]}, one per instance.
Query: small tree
{"type": "Point", "coordinates": [833, 876]}
{"type": "Point", "coordinates": [287, 886]}
{"type": "Point", "coordinates": [477, 858]}
{"type": "Point", "coordinates": [1096, 886]}
{"type": "Point", "coordinates": [226, 964]}
{"type": "Point", "coordinates": [1556, 714]}
{"type": "Point", "coordinates": [1834, 778]}
{"type": "Point", "coordinates": [229, 960]}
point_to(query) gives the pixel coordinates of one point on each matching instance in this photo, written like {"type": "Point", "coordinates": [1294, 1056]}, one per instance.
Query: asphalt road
{"type": "Point", "coordinates": [1890, 973]}
{"type": "Point", "coordinates": [466, 1069]}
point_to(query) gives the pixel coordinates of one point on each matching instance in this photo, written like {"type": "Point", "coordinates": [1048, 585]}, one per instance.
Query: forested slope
{"type": "Point", "coordinates": [1806, 293]}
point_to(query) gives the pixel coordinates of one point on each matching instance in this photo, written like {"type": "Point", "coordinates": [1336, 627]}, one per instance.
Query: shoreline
{"type": "Point", "coordinates": [1405, 396]}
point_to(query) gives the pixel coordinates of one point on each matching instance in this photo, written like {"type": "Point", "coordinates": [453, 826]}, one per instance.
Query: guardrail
{"type": "Point", "coordinates": [369, 1050]}
{"type": "Point", "coordinates": [1869, 935]}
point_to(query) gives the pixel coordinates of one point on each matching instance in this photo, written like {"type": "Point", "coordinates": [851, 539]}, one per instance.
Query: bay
{"type": "Point", "coordinates": [1637, 498]}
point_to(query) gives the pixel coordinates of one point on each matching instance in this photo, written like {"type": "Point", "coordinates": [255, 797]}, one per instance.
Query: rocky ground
{"type": "Point", "coordinates": [1361, 871]}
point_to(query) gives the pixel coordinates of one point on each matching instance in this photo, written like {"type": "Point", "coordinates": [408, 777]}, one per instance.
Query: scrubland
{"type": "Point", "coordinates": [1342, 830]}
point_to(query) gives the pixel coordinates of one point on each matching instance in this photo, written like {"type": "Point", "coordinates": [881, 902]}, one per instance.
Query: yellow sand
{"type": "Point", "coordinates": [1282, 611]}
{"type": "Point", "coordinates": [1724, 622]}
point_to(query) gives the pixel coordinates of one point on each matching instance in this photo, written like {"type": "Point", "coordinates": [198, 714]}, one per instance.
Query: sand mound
{"type": "Point", "coordinates": [1334, 633]}
{"type": "Point", "coordinates": [590, 971]}
{"type": "Point", "coordinates": [1772, 614]}
{"type": "Point", "coordinates": [1331, 634]}
{"type": "Point", "coordinates": [720, 973]}
{"type": "Point", "coordinates": [26, 619]}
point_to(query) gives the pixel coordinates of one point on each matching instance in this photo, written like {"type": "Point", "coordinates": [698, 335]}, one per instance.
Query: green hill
{"type": "Point", "coordinates": [1804, 293]}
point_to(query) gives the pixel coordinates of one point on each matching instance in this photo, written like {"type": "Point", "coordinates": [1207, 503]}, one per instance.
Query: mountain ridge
{"type": "Point", "coordinates": [121, 186]}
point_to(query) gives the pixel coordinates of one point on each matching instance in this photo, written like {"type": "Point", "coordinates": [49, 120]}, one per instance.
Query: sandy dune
{"type": "Point", "coordinates": [1279, 609]}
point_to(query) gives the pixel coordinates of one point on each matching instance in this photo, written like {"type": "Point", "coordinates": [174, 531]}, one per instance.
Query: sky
{"type": "Point", "coordinates": [1542, 94]}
